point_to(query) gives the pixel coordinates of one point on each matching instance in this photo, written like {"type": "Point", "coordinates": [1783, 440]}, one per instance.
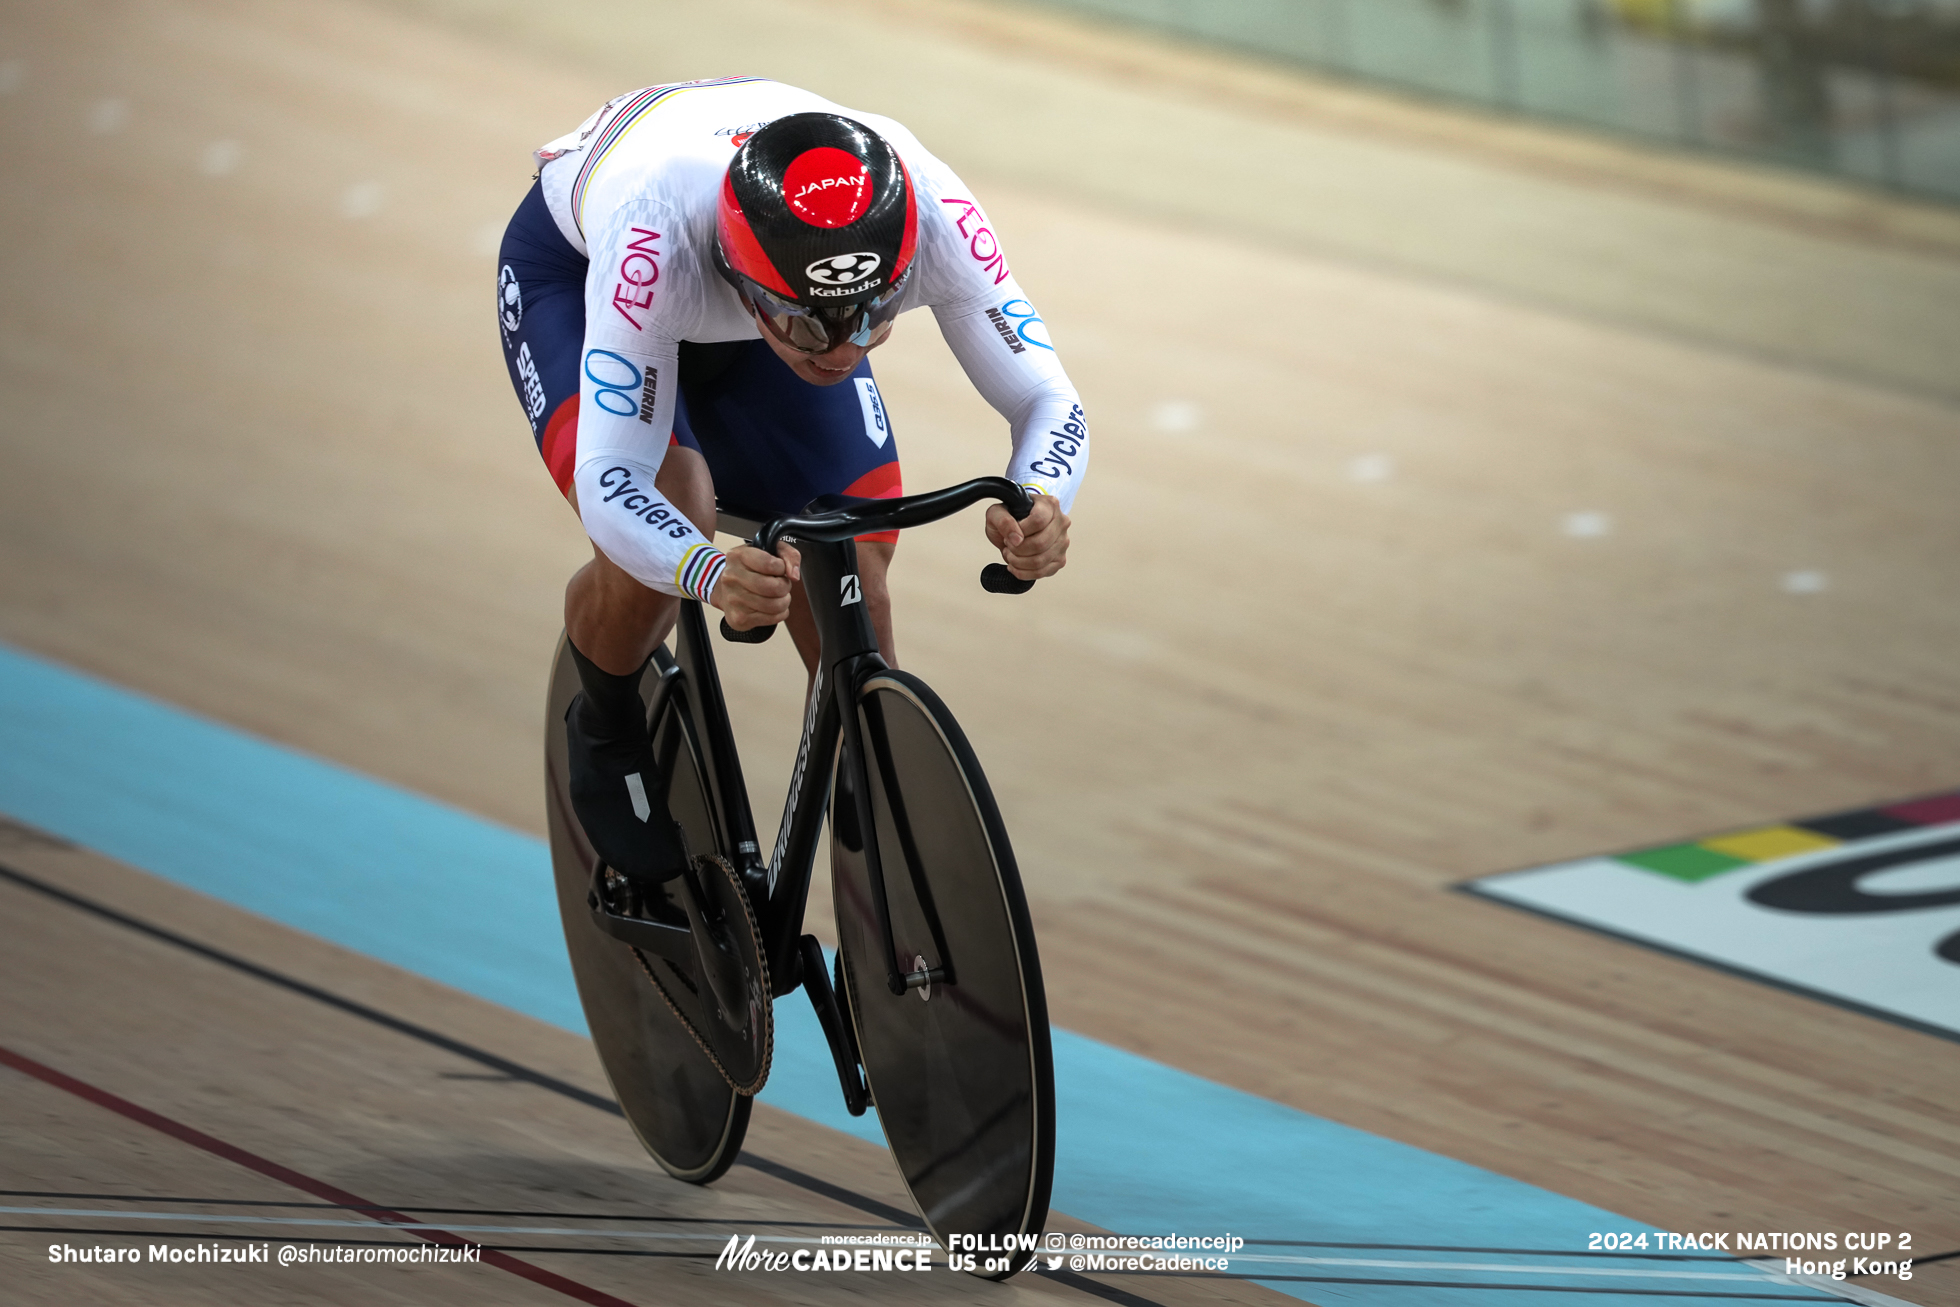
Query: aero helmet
{"type": "Point", "coordinates": [816, 229]}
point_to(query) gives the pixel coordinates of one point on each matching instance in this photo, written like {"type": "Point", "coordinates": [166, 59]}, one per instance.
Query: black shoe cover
{"type": "Point", "coordinates": [620, 798]}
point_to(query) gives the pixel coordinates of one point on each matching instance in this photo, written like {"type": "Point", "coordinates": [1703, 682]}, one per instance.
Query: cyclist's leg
{"type": "Point", "coordinates": [612, 621]}
{"type": "Point", "coordinates": [774, 442]}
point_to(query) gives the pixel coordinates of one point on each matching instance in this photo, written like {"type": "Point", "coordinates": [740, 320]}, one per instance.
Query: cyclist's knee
{"type": "Point", "coordinates": [612, 618]}
{"type": "Point", "coordinates": [874, 562]}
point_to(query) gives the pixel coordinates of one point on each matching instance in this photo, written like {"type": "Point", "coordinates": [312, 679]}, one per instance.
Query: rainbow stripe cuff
{"type": "Point", "coordinates": [699, 570]}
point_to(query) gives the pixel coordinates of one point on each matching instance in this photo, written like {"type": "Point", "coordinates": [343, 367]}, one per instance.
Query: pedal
{"type": "Point", "coordinates": [618, 910]}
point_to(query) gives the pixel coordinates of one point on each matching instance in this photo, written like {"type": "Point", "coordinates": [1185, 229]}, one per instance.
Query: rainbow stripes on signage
{"type": "Point", "coordinates": [1697, 860]}
{"type": "Point", "coordinates": [1859, 908]}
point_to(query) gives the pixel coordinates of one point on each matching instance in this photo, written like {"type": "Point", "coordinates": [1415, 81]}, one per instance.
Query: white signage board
{"type": "Point", "coordinates": [1870, 921]}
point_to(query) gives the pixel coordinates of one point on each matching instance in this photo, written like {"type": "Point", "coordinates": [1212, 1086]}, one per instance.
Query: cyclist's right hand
{"type": "Point", "coordinates": [754, 587]}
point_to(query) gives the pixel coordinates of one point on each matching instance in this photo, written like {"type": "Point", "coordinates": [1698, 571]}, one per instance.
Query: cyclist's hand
{"type": "Point", "coordinates": [1034, 547]}
{"type": "Point", "coordinates": [754, 587]}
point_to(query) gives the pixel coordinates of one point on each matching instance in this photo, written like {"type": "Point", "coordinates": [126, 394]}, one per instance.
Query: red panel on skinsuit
{"type": "Point", "coordinates": [560, 444]}
{"type": "Point", "coordinates": [881, 482]}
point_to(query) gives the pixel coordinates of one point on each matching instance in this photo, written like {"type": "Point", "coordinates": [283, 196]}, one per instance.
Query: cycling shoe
{"type": "Point", "coordinates": [620, 798]}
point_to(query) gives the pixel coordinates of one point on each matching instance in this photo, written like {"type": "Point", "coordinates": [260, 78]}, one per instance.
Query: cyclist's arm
{"type": "Point", "coordinates": [629, 371]}
{"type": "Point", "coordinates": [998, 336]}
{"type": "Point", "coordinates": [1027, 387]}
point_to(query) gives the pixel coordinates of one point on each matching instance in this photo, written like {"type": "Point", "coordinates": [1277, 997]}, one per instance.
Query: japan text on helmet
{"type": "Point", "coordinates": [816, 229]}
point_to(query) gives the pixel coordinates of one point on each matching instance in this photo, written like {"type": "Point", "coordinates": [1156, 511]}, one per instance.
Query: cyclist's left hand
{"type": "Point", "coordinates": [1034, 547]}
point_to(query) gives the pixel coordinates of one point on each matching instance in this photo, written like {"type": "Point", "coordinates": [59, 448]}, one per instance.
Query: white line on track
{"type": "Point", "coordinates": [104, 1214]}
{"type": "Point", "coordinates": [1506, 1267]}
{"type": "Point", "coordinates": [1857, 1293]}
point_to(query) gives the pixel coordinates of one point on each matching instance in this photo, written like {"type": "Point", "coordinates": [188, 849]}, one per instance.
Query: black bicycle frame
{"type": "Point", "coordinates": [779, 888]}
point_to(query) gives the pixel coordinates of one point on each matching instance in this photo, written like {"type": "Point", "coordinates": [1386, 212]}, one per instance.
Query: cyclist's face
{"type": "Point", "coordinates": [825, 369]}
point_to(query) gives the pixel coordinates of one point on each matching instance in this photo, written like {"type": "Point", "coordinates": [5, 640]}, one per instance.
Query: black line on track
{"type": "Point", "coordinates": [1074, 1280]}
{"type": "Point", "coordinates": [1107, 1292]}
{"type": "Point", "coordinates": [1936, 1257]}
{"type": "Point", "coordinates": [408, 1207]}
{"type": "Point", "coordinates": [837, 1193]}
{"type": "Point", "coordinates": [1719, 1258]}
{"type": "Point", "coordinates": [1539, 1288]}
{"type": "Point", "coordinates": [515, 1070]}
{"type": "Point", "coordinates": [483, 1057]}
{"type": "Point", "coordinates": [196, 1237]}
{"type": "Point", "coordinates": [801, 1179]}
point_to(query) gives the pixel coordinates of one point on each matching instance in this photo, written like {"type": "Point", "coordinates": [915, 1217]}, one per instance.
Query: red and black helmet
{"type": "Point", "coordinates": [818, 214]}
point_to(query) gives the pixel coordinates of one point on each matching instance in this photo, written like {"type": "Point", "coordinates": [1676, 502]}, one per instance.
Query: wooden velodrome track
{"type": "Point", "coordinates": [1322, 652]}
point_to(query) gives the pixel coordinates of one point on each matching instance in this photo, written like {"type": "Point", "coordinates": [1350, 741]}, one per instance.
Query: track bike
{"type": "Point", "coordinates": [933, 1007]}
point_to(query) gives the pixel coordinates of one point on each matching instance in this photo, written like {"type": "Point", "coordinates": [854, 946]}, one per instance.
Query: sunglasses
{"type": "Point", "coordinates": [818, 329]}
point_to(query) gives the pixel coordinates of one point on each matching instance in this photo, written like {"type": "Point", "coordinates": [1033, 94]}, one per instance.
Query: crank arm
{"type": "Point", "coordinates": [709, 954]}
{"type": "Point", "coordinates": [674, 943]}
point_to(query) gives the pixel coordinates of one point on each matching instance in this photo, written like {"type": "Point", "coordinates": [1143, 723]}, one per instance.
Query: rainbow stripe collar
{"type": "Point", "coordinates": [612, 131]}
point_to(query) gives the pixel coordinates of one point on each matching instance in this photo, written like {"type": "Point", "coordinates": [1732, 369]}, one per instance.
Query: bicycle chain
{"type": "Point", "coordinates": [762, 976]}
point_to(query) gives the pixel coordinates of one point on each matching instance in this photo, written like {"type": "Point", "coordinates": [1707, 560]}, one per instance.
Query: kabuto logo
{"type": "Point", "coordinates": [843, 269]}
{"type": "Point", "coordinates": [510, 299]}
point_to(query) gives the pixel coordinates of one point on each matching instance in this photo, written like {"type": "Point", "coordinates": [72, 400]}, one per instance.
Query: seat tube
{"type": "Point", "coordinates": [836, 592]}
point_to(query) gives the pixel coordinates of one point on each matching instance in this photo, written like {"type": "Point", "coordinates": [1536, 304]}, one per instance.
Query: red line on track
{"type": "Point", "coordinates": [305, 1183]}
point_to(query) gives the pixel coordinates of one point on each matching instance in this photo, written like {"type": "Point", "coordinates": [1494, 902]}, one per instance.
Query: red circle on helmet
{"type": "Point", "coordinates": [827, 187]}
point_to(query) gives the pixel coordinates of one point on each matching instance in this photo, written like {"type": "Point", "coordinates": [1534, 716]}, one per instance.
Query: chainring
{"type": "Point", "coordinates": [740, 1048]}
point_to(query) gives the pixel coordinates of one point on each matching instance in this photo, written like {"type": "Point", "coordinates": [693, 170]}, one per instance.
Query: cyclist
{"type": "Point", "coordinates": [687, 296]}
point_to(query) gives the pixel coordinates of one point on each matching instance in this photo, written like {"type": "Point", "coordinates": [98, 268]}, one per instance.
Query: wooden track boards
{"type": "Point", "coordinates": [261, 461]}
{"type": "Point", "coordinates": [345, 1101]}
